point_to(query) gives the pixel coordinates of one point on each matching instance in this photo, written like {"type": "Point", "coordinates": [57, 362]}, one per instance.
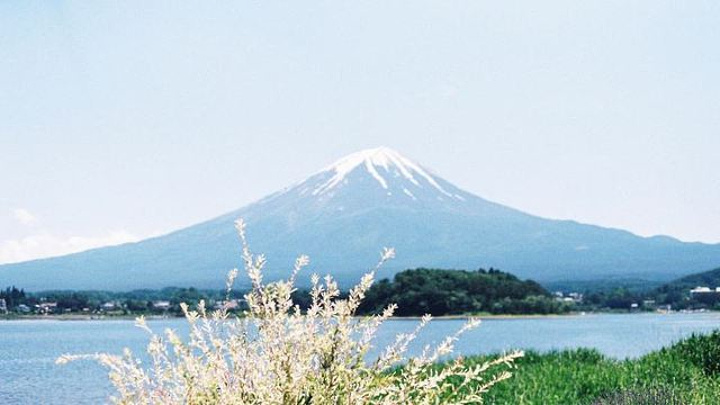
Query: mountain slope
{"type": "Point", "coordinates": [710, 278]}
{"type": "Point", "coordinates": [344, 214]}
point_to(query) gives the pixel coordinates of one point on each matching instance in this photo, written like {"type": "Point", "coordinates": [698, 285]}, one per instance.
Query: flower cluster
{"type": "Point", "coordinates": [278, 354]}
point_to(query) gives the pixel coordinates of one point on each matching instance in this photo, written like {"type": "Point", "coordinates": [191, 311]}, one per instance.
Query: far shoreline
{"type": "Point", "coordinates": [482, 317]}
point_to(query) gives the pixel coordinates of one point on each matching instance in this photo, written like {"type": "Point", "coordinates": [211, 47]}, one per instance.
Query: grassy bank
{"type": "Point", "coordinates": [685, 373]}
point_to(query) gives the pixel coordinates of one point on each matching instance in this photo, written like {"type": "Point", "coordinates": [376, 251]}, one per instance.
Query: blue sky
{"type": "Point", "coordinates": [120, 120]}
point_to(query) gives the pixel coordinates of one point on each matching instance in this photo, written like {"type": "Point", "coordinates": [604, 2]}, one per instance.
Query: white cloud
{"type": "Point", "coordinates": [24, 216]}
{"type": "Point", "coordinates": [47, 244]}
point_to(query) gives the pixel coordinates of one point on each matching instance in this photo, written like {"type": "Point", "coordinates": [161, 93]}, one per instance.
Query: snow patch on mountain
{"type": "Point", "coordinates": [409, 193]}
{"type": "Point", "coordinates": [380, 163]}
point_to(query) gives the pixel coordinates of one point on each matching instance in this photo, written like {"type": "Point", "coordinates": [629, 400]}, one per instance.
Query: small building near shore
{"type": "Point", "coordinates": [705, 290]}
{"type": "Point", "coordinates": [46, 307]}
{"type": "Point", "coordinates": [649, 304]}
{"type": "Point", "coordinates": [161, 305]}
{"type": "Point", "coordinates": [229, 305]}
{"type": "Point", "coordinates": [706, 295]}
{"type": "Point", "coordinates": [109, 306]}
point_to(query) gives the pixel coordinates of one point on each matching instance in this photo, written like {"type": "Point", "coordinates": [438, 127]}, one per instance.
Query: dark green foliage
{"type": "Point", "coordinates": [676, 293]}
{"type": "Point", "coordinates": [701, 351]}
{"type": "Point", "coordinates": [449, 292]}
{"type": "Point", "coordinates": [13, 296]}
{"type": "Point", "coordinates": [619, 295]}
{"type": "Point", "coordinates": [302, 298]}
{"type": "Point", "coordinates": [685, 373]}
{"type": "Point", "coordinates": [706, 278]}
{"type": "Point", "coordinates": [633, 285]}
{"type": "Point", "coordinates": [619, 298]}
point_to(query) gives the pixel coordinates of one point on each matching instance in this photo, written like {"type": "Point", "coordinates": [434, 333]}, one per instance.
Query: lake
{"type": "Point", "coordinates": [28, 348]}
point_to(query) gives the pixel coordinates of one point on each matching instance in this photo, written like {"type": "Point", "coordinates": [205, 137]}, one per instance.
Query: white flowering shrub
{"type": "Point", "coordinates": [277, 354]}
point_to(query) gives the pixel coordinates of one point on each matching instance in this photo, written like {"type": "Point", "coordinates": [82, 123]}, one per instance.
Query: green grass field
{"type": "Point", "coordinates": [685, 373]}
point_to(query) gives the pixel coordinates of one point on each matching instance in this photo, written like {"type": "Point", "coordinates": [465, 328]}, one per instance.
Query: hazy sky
{"type": "Point", "coordinates": [120, 120]}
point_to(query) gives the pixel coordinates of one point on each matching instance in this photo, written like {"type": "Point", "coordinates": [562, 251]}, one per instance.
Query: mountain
{"type": "Point", "coordinates": [344, 214]}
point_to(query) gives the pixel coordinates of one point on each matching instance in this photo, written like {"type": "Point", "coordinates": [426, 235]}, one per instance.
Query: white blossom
{"type": "Point", "coordinates": [277, 355]}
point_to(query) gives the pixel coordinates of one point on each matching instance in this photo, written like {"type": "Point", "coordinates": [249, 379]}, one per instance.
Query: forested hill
{"type": "Point", "coordinates": [710, 278]}
{"type": "Point", "coordinates": [448, 292]}
{"type": "Point", "coordinates": [675, 295]}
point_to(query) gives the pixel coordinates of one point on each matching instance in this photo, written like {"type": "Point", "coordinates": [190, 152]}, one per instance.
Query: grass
{"type": "Point", "coordinates": [685, 373]}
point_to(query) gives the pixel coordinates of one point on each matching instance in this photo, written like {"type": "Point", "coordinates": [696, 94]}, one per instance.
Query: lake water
{"type": "Point", "coordinates": [28, 348]}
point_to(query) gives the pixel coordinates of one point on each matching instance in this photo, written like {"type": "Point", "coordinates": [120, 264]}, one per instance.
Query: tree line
{"type": "Point", "coordinates": [417, 292]}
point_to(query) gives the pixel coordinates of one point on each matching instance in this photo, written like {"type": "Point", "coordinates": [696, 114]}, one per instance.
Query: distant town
{"type": "Point", "coordinates": [14, 301]}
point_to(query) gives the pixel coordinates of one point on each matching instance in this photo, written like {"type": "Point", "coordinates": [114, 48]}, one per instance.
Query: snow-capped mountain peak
{"type": "Point", "coordinates": [384, 165]}
{"type": "Point", "coordinates": [364, 201]}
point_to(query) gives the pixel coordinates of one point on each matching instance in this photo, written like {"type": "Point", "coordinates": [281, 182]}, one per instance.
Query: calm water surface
{"type": "Point", "coordinates": [28, 349]}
